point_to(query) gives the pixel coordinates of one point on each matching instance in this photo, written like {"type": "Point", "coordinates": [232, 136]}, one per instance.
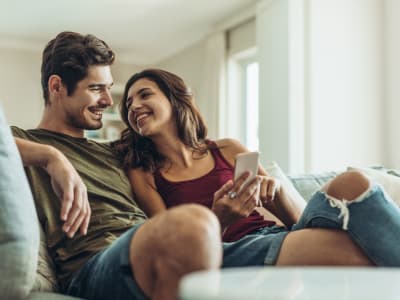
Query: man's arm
{"type": "Point", "coordinates": [66, 182]}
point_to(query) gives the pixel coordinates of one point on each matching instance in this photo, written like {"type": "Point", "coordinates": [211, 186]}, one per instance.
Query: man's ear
{"type": "Point", "coordinates": [56, 87]}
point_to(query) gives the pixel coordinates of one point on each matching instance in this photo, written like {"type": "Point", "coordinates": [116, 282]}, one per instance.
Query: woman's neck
{"type": "Point", "coordinates": [175, 151]}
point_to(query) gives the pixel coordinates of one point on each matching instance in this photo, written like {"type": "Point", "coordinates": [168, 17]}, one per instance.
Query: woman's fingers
{"type": "Point", "coordinates": [223, 190]}
{"type": "Point", "coordinates": [248, 196]}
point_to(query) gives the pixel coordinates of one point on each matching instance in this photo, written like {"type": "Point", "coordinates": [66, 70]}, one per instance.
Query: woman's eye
{"type": "Point", "coordinates": [145, 95]}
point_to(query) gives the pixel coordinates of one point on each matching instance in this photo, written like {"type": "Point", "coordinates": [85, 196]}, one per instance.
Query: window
{"type": "Point", "coordinates": [251, 105]}
{"type": "Point", "coordinates": [241, 114]}
{"type": "Point", "coordinates": [242, 107]}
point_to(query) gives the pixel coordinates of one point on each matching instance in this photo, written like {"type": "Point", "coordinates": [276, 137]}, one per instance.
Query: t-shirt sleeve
{"type": "Point", "coordinates": [18, 132]}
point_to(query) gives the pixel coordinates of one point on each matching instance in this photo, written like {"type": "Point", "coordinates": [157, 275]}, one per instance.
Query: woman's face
{"type": "Point", "coordinates": [149, 110]}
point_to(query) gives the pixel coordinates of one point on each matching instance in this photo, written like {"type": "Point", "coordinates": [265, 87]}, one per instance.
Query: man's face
{"type": "Point", "coordinates": [84, 108]}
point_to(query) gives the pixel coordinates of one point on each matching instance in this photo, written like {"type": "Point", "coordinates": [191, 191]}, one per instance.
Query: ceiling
{"type": "Point", "coordinates": [141, 31]}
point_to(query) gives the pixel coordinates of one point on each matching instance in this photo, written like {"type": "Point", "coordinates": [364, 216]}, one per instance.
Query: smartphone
{"type": "Point", "coordinates": [247, 161]}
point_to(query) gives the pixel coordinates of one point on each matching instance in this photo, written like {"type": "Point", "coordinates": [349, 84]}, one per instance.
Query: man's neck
{"type": "Point", "coordinates": [56, 126]}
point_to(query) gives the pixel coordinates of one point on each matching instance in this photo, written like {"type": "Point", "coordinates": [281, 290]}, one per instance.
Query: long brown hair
{"type": "Point", "coordinates": [137, 151]}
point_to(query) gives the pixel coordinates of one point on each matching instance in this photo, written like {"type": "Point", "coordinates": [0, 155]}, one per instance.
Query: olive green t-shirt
{"type": "Point", "coordinates": [114, 209]}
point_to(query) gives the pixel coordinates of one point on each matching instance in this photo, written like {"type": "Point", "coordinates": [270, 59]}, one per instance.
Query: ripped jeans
{"type": "Point", "coordinates": [372, 220]}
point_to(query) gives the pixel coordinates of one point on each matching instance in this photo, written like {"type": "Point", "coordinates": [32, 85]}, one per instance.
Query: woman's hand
{"type": "Point", "coordinates": [233, 202]}
{"type": "Point", "coordinates": [270, 188]}
{"type": "Point", "coordinates": [280, 202]}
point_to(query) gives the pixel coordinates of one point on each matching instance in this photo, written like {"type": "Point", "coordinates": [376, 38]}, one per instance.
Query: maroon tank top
{"type": "Point", "coordinates": [201, 190]}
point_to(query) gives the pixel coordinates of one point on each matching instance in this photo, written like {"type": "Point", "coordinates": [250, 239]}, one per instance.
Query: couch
{"type": "Point", "coordinates": [26, 272]}
{"type": "Point", "coordinates": [26, 266]}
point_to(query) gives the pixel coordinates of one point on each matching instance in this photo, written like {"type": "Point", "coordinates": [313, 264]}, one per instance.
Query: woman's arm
{"type": "Point", "coordinates": [283, 206]}
{"type": "Point", "coordinates": [278, 200]}
{"type": "Point", "coordinates": [145, 191]}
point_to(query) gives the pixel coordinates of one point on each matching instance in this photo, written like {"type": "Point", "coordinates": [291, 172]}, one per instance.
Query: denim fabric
{"type": "Point", "coordinates": [108, 275]}
{"type": "Point", "coordinates": [373, 223]}
{"type": "Point", "coordinates": [258, 248]}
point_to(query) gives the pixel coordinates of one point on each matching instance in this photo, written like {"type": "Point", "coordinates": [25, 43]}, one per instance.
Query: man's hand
{"type": "Point", "coordinates": [232, 202]}
{"type": "Point", "coordinates": [69, 187]}
{"type": "Point", "coordinates": [67, 184]}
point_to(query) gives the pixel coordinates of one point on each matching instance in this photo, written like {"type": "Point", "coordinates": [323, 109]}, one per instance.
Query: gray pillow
{"type": "Point", "coordinates": [19, 234]}
{"type": "Point", "coordinates": [308, 184]}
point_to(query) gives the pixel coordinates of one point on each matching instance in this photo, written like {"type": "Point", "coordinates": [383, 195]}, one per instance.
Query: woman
{"type": "Point", "coordinates": [170, 161]}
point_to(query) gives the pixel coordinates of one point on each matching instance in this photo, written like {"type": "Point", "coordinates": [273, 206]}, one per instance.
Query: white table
{"type": "Point", "coordinates": [284, 283]}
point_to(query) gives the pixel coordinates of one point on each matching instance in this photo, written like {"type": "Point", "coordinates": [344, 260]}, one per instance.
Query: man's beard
{"type": "Point", "coordinates": [81, 123]}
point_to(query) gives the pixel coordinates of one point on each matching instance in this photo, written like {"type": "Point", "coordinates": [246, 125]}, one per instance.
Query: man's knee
{"type": "Point", "coordinates": [180, 231]}
{"type": "Point", "coordinates": [193, 233]}
{"type": "Point", "coordinates": [183, 239]}
{"type": "Point", "coordinates": [348, 185]}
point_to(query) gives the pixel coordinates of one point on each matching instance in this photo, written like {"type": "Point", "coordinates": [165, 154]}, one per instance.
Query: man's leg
{"type": "Point", "coordinates": [181, 240]}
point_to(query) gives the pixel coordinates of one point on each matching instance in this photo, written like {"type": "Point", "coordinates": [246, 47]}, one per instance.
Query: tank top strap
{"type": "Point", "coordinates": [220, 160]}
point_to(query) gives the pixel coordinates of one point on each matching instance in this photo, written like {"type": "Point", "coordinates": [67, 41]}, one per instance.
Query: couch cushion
{"type": "Point", "coordinates": [274, 170]}
{"type": "Point", "coordinates": [308, 184]}
{"type": "Point", "coordinates": [19, 234]}
{"type": "Point", "coordinates": [46, 280]}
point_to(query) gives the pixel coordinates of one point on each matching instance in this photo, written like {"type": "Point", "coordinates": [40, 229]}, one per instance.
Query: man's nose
{"type": "Point", "coordinates": [107, 98]}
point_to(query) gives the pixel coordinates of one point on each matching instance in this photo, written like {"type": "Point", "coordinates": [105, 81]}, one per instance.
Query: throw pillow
{"type": "Point", "coordinates": [19, 235]}
{"type": "Point", "coordinates": [274, 170]}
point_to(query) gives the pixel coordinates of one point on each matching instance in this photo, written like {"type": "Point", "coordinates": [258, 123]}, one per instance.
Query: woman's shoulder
{"type": "Point", "coordinates": [230, 148]}
{"type": "Point", "coordinates": [230, 145]}
{"type": "Point", "coordinates": [140, 176]}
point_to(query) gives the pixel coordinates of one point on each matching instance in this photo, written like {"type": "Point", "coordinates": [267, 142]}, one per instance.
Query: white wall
{"type": "Point", "coordinates": [190, 65]}
{"type": "Point", "coordinates": [336, 72]}
{"type": "Point", "coordinates": [20, 92]}
{"type": "Point", "coordinates": [342, 76]}
{"type": "Point", "coordinates": [392, 82]}
{"type": "Point", "coordinates": [203, 68]}
{"type": "Point", "coordinates": [272, 23]}
{"type": "Point", "coordinates": [345, 83]}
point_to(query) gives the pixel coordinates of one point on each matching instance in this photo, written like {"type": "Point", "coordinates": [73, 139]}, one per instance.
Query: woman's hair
{"type": "Point", "coordinates": [138, 151]}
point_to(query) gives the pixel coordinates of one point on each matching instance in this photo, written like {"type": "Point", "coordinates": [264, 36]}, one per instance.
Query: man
{"type": "Point", "coordinates": [120, 255]}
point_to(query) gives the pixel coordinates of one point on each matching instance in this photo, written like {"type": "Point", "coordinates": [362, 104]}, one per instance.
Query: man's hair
{"type": "Point", "coordinates": [138, 151]}
{"type": "Point", "coordinates": [69, 55]}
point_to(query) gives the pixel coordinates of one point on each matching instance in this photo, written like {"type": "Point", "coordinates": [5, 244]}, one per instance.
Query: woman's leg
{"type": "Point", "coordinates": [370, 221]}
{"type": "Point", "coordinates": [317, 246]}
